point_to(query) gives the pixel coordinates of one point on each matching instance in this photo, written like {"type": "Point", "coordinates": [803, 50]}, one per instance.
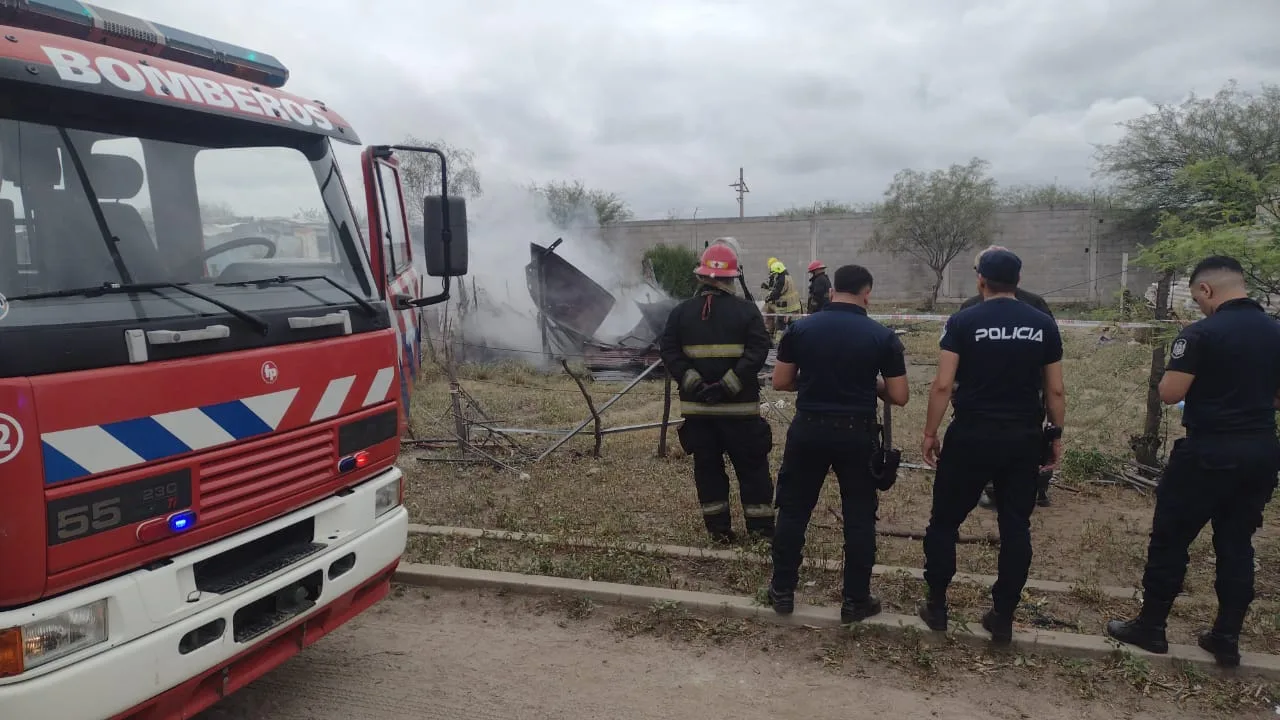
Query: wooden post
{"type": "Point", "coordinates": [459, 422]}
{"type": "Point", "coordinates": [666, 417]}
{"type": "Point", "coordinates": [1124, 282]}
{"type": "Point", "coordinates": [1146, 447]}
{"type": "Point", "coordinates": [590, 406]}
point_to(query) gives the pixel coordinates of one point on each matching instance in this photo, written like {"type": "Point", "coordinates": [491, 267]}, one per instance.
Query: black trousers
{"type": "Point", "coordinates": [975, 451]}
{"type": "Point", "coordinates": [816, 445]}
{"type": "Point", "coordinates": [1225, 480]}
{"type": "Point", "coordinates": [747, 441]}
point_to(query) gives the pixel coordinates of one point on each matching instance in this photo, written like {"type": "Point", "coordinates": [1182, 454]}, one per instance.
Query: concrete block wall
{"type": "Point", "coordinates": [1069, 253]}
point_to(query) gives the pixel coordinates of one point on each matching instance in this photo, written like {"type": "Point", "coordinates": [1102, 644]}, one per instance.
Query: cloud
{"type": "Point", "coordinates": [662, 101]}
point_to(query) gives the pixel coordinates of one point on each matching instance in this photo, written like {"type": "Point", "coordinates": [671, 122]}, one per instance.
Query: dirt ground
{"type": "Point", "coordinates": [1094, 534]}
{"type": "Point", "coordinates": [451, 655]}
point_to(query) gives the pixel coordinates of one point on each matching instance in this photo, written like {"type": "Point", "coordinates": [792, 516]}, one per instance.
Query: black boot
{"type": "Point", "coordinates": [783, 603]}
{"type": "Point", "coordinates": [760, 532]}
{"type": "Point", "coordinates": [999, 625]}
{"type": "Point", "coordinates": [1147, 630]}
{"type": "Point", "coordinates": [852, 611]}
{"type": "Point", "coordinates": [933, 611]}
{"type": "Point", "coordinates": [1223, 641]}
{"type": "Point", "coordinates": [1224, 648]}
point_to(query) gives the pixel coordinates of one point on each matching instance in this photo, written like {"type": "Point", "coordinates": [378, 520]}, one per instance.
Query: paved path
{"type": "Point", "coordinates": [465, 655]}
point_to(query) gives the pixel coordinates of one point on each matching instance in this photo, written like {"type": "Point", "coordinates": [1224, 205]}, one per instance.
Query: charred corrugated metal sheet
{"type": "Point", "coordinates": [578, 306]}
{"type": "Point", "coordinates": [575, 302]}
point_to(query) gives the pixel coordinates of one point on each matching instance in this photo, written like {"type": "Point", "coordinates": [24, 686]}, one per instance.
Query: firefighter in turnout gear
{"type": "Point", "coordinates": [781, 298]}
{"type": "Point", "coordinates": [715, 345]}
{"type": "Point", "coordinates": [819, 286]}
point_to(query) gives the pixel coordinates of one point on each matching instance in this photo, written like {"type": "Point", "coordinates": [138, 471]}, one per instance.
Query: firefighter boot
{"type": "Point", "coordinates": [852, 611]}
{"type": "Point", "coordinates": [719, 523]}
{"type": "Point", "coordinates": [999, 625]}
{"type": "Point", "coordinates": [933, 611]}
{"type": "Point", "coordinates": [783, 603]}
{"type": "Point", "coordinates": [1147, 630]}
{"type": "Point", "coordinates": [1223, 641]}
{"type": "Point", "coordinates": [1042, 489]}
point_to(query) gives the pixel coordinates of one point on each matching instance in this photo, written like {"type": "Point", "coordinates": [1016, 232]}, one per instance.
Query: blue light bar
{"type": "Point", "coordinates": [182, 521]}
{"type": "Point", "coordinates": [83, 21]}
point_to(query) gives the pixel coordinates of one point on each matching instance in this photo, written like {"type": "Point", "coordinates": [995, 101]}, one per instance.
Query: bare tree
{"type": "Point", "coordinates": [572, 203]}
{"type": "Point", "coordinates": [935, 216]}
{"type": "Point", "coordinates": [420, 173]}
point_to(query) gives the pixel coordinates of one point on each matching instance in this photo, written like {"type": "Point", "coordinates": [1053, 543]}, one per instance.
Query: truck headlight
{"type": "Point", "coordinates": [387, 497]}
{"type": "Point", "coordinates": [43, 641]}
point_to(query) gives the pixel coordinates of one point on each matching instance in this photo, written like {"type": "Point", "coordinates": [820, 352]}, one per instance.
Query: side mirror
{"type": "Point", "coordinates": [402, 302]}
{"type": "Point", "coordinates": [442, 260]}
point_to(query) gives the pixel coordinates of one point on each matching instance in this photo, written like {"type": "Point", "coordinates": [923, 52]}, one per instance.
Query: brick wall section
{"type": "Point", "coordinates": [1057, 245]}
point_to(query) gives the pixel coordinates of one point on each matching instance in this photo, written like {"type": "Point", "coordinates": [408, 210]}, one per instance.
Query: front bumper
{"type": "Point", "coordinates": [141, 659]}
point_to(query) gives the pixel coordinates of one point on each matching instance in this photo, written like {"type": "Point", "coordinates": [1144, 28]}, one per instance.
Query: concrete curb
{"type": "Point", "coordinates": [680, 551]}
{"type": "Point", "coordinates": [1047, 642]}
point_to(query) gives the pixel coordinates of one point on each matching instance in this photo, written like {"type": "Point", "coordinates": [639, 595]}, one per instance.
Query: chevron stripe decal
{"type": "Point", "coordinates": [79, 452]}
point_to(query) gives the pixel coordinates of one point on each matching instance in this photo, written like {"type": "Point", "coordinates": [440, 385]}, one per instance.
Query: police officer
{"type": "Point", "coordinates": [1004, 354]}
{"type": "Point", "coordinates": [1037, 302]}
{"type": "Point", "coordinates": [819, 286]}
{"type": "Point", "coordinates": [1227, 368]}
{"type": "Point", "coordinates": [781, 299]}
{"type": "Point", "coordinates": [715, 345]}
{"type": "Point", "coordinates": [834, 360]}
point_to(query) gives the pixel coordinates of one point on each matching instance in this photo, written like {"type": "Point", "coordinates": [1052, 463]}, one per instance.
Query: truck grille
{"type": "Point", "coordinates": [264, 472]}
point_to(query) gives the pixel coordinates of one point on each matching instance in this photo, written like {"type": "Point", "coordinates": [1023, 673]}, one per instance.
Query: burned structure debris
{"type": "Point", "coordinates": [572, 308]}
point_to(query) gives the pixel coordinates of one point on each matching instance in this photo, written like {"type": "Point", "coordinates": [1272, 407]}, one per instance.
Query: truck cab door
{"type": "Point", "coordinates": [394, 268]}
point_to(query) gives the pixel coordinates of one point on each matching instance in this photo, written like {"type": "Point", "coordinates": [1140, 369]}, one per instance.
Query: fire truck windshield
{"type": "Point", "coordinates": [170, 229]}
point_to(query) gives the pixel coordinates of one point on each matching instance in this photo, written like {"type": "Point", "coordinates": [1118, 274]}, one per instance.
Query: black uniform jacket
{"type": "Point", "coordinates": [716, 337]}
{"type": "Point", "coordinates": [819, 292]}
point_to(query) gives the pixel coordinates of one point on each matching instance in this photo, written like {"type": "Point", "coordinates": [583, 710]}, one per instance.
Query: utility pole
{"type": "Point", "coordinates": [741, 187]}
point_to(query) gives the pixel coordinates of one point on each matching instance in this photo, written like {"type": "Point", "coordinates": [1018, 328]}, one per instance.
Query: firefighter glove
{"type": "Point", "coordinates": [711, 393]}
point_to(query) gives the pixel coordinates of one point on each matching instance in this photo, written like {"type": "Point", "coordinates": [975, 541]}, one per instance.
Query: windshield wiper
{"type": "Point", "coordinates": [282, 279]}
{"type": "Point", "coordinates": [112, 288]}
{"type": "Point", "coordinates": [95, 206]}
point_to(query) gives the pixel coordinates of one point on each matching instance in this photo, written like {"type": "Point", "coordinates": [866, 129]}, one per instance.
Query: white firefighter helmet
{"type": "Point", "coordinates": [731, 242]}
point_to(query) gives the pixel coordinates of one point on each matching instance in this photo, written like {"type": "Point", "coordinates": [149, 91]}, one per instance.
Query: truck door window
{"type": "Point", "coordinates": [395, 236]}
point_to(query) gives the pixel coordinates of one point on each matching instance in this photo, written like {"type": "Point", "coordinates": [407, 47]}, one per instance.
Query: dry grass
{"type": "Point", "coordinates": [1093, 535]}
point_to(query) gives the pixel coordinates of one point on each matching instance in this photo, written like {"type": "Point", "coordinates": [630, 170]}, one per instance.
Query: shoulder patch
{"type": "Point", "coordinates": [1179, 348]}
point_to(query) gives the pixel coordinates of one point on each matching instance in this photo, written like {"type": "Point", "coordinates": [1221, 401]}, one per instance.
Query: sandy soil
{"type": "Point", "coordinates": [454, 655]}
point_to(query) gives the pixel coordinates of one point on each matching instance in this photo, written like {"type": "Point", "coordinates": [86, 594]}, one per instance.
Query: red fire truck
{"type": "Point", "coordinates": [204, 366]}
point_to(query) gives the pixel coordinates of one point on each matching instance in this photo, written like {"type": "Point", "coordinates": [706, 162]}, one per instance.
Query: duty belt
{"type": "Point", "coordinates": [852, 422]}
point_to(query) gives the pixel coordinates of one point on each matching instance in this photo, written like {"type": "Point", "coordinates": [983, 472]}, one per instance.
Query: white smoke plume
{"type": "Point", "coordinates": [502, 315]}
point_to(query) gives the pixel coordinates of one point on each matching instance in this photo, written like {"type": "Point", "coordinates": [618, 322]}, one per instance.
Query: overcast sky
{"type": "Point", "coordinates": [662, 100]}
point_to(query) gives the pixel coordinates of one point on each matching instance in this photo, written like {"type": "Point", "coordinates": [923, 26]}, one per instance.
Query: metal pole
{"type": "Point", "coordinates": [641, 426]}
{"type": "Point", "coordinates": [603, 407]}
{"type": "Point", "coordinates": [1124, 277]}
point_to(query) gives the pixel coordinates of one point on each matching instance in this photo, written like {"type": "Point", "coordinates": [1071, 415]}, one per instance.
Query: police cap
{"type": "Point", "coordinates": [1000, 266]}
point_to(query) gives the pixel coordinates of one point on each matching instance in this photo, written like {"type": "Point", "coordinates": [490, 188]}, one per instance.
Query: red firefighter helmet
{"type": "Point", "coordinates": [718, 261]}
{"type": "Point", "coordinates": [816, 265]}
